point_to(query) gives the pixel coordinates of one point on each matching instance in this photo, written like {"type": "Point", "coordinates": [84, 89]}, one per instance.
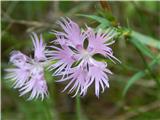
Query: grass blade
{"type": "Point", "coordinates": [134, 78]}
{"type": "Point", "coordinates": [139, 75]}
{"type": "Point", "coordinates": [146, 51]}
{"type": "Point", "coordinates": [146, 39]}
{"type": "Point", "coordinates": [103, 21]}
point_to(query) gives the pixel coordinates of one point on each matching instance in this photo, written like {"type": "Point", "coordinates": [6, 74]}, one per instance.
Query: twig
{"type": "Point", "coordinates": [28, 23]}
{"type": "Point", "coordinates": [7, 18]}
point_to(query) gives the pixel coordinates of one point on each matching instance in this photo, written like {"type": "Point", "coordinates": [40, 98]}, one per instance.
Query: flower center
{"type": "Point", "coordinates": [85, 54]}
{"type": "Point", "coordinates": [37, 69]}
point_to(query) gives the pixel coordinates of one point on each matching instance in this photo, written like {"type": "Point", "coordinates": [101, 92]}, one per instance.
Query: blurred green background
{"type": "Point", "coordinates": [134, 92]}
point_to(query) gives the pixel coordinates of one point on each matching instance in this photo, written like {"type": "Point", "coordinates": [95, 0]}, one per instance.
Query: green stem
{"type": "Point", "coordinates": [78, 107]}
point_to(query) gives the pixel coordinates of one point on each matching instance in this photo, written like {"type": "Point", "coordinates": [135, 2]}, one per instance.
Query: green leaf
{"type": "Point", "coordinates": [134, 78]}
{"type": "Point", "coordinates": [146, 39]}
{"type": "Point", "coordinates": [140, 74]}
{"type": "Point", "coordinates": [146, 51]}
{"type": "Point", "coordinates": [104, 22]}
{"type": "Point", "coordinates": [102, 26]}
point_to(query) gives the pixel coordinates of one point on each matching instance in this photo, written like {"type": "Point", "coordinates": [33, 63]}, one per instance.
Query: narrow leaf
{"type": "Point", "coordinates": [146, 39]}
{"type": "Point", "coordinates": [103, 21]}
{"type": "Point", "coordinates": [140, 74]}
{"type": "Point", "coordinates": [146, 51]}
{"type": "Point", "coordinates": [134, 78]}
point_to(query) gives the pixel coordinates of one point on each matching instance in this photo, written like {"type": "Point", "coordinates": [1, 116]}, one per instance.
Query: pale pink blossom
{"type": "Point", "coordinates": [27, 73]}
{"type": "Point", "coordinates": [75, 62]}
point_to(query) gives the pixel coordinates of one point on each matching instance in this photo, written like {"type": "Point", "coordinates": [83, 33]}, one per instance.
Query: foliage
{"type": "Point", "coordinates": [135, 83]}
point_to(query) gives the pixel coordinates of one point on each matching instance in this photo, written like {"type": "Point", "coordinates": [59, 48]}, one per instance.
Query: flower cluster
{"type": "Point", "coordinates": [28, 73]}
{"type": "Point", "coordinates": [73, 51]}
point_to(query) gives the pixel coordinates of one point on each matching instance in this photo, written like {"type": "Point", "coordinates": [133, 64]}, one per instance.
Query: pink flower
{"type": "Point", "coordinates": [75, 62]}
{"type": "Point", "coordinates": [36, 85]}
{"type": "Point", "coordinates": [99, 41]}
{"type": "Point", "coordinates": [72, 58]}
{"type": "Point", "coordinates": [28, 74]}
{"type": "Point", "coordinates": [39, 48]}
{"type": "Point", "coordinates": [64, 58]}
{"type": "Point", "coordinates": [18, 59]}
{"type": "Point", "coordinates": [71, 32]}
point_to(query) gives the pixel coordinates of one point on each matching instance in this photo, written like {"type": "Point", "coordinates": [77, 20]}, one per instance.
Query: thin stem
{"type": "Point", "coordinates": [78, 107]}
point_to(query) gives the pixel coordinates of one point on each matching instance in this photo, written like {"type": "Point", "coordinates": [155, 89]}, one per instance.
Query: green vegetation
{"type": "Point", "coordinates": [134, 92]}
